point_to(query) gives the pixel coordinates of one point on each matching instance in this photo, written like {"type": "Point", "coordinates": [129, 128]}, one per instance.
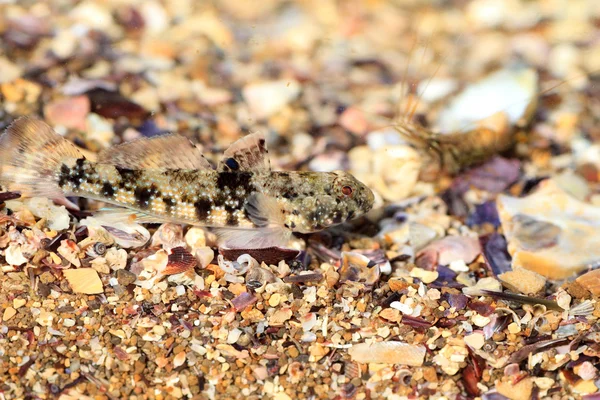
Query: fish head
{"type": "Point", "coordinates": [325, 199]}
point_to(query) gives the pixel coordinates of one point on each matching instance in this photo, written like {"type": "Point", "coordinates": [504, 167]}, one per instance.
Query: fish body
{"type": "Point", "coordinates": [167, 179]}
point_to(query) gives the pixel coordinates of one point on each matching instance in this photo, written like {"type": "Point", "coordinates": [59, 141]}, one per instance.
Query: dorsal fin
{"type": "Point", "coordinates": [246, 154]}
{"type": "Point", "coordinates": [161, 152]}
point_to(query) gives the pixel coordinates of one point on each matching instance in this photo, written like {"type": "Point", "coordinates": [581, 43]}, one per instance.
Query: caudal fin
{"type": "Point", "coordinates": [30, 155]}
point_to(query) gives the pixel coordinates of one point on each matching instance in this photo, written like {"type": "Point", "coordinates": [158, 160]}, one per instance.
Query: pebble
{"type": "Point", "coordinates": [523, 281]}
{"type": "Point", "coordinates": [475, 340]}
{"type": "Point", "coordinates": [9, 71]}
{"type": "Point", "coordinates": [9, 312]}
{"type": "Point", "coordinates": [125, 277]}
{"type": "Point", "coordinates": [69, 112]}
{"type": "Point", "coordinates": [18, 303]}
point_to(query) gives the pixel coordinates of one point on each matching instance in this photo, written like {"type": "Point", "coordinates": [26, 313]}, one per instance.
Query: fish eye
{"type": "Point", "coordinates": [347, 190]}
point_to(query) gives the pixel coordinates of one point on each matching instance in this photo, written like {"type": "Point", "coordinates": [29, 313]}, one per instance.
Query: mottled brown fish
{"type": "Point", "coordinates": [168, 179]}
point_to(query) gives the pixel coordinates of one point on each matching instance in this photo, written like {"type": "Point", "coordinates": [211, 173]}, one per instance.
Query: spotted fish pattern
{"type": "Point", "coordinates": [168, 179]}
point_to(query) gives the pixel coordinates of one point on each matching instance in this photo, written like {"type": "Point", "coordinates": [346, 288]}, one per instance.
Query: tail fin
{"type": "Point", "coordinates": [30, 155]}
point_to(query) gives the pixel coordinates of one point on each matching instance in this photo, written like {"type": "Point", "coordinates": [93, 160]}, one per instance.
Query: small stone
{"type": "Point", "coordinates": [391, 315]}
{"type": "Point", "coordinates": [274, 299]}
{"type": "Point", "coordinates": [590, 281]}
{"type": "Point", "coordinates": [9, 71]}
{"type": "Point", "coordinates": [125, 277]}
{"type": "Point", "coordinates": [353, 120]}
{"type": "Point", "coordinates": [9, 312]}
{"type": "Point", "coordinates": [84, 280]}
{"type": "Point", "coordinates": [280, 316]}
{"type": "Point", "coordinates": [18, 303]}
{"type": "Point", "coordinates": [519, 391]}
{"type": "Point", "coordinates": [514, 328]}
{"type": "Point", "coordinates": [70, 112]}
{"type": "Point", "coordinates": [523, 281]}
{"type": "Point", "coordinates": [475, 340]}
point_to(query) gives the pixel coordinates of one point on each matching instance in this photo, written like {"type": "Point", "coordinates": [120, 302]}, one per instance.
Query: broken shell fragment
{"type": "Point", "coordinates": [358, 268]}
{"type": "Point", "coordinates": [550, 232]}
{"type": "Point", "coordinates": [180, 260]}
{"type": "Point", "coordinates": [84, 280]}
{"type": "Point", "coordinates": [511, 91]}
{"type": "Point", "coordinates": [391, 352]}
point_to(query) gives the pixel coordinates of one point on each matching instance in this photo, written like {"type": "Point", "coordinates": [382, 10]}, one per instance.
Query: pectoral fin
{"type": "Point", "coordinates": [257, 238]}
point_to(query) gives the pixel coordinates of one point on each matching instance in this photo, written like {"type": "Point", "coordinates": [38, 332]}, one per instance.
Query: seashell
{"type": "Point", "coordinates": [96, 234]}
{"type": "Point", "coordinates": [70, 252]}
{"type": "Point", "coordinates": [550, 232]}
{"type": "Point", "coordinates": [14, 255]}
{"type": "Point", "coordinates": [391, 352]}
{"type": "Point", "coordinates": [258, 277]}
{"type": "Point", "coordinates": [180, 260]}
{"type": "Point", "coordinates": [57, 217]}
{"type": "Point", "coordinates": [268, 255]}
{"type": "Point", "coordinates": [238, 267]}
{"type": "Point", "coordinates": [512, 92]}
{"type": "Point", "coordinates": [125, 234]}
{"type": "Point", "coordinates": [98, 249]}
{"type": "Point", "coordinates": [356, 267]}
{"type": "Point", "coordinates": [84, 280]}
{"type": "Point", "coordinates": [453, 248]}
{"type": "Point", "coordinates": [116, 258]}
{"type": "Point", "coordinates": [168, 236]}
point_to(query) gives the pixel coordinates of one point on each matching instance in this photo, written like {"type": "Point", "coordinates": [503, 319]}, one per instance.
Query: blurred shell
{"type": "Point", "coordinates": [168, 236]}
{"type": "Point", "coordinates": [358, 268]}
{"type": "Point", "coordinates": [508, 91]}
{"type": "Point", "coordinates": [388, 353]}
{"type": "Point", "coordinates": [392, 171]}
{"type": "Point", "coordinates": [453, 248]}
{"type": "Point", "coordinates": [267, 98]}
{"type": "Point", "coordinates": [57, 217]}
{"type": "Point", "coordinates": [116, 258]}
{"type": "Point", "coordinates": [125, 234]}
{"type": "Point", "coordinates": [14, 255]}
{"type": "Point", "coordinates": [550, 232]}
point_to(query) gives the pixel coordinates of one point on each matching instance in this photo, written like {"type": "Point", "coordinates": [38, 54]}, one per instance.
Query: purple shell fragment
{"type": "Point", "coordinates": [495, 253]}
